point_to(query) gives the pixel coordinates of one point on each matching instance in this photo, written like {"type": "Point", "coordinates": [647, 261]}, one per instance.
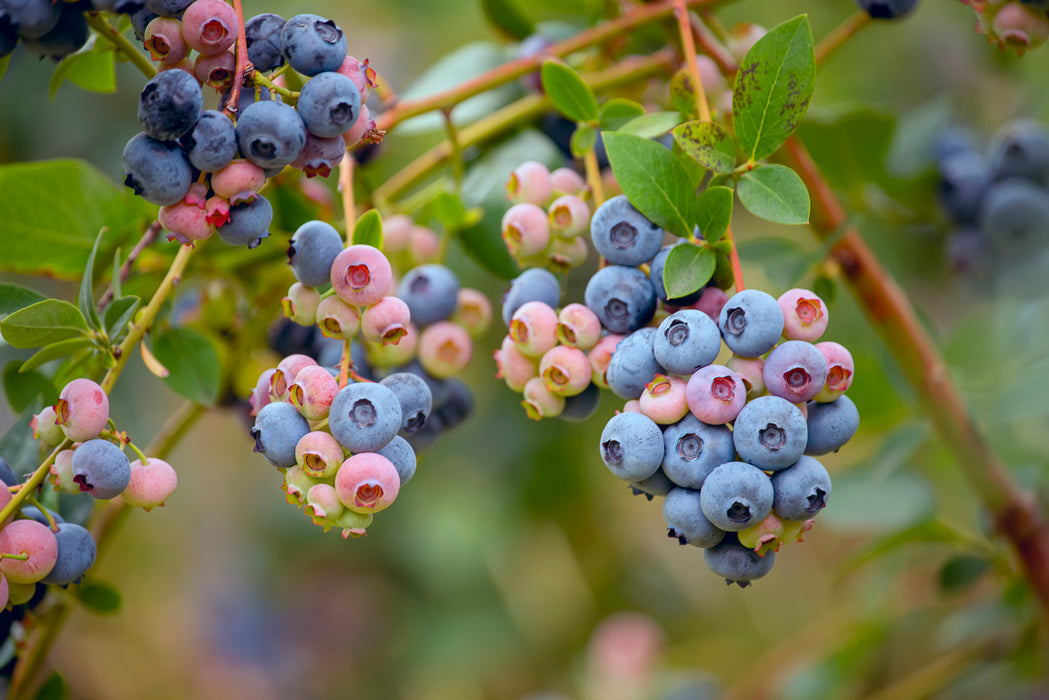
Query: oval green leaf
{"type": "Point", "coordinates": [43, 323]}
{"type": "Point", "coordinates": [507, 16]}
{"type": "Point", "coordinates": [775, 193]}
{"type": "Point", "coordinates": [192, 364]}
{"type": "Point", "coordinates": [86, 298]}
{"type": "Point", "coordinates": [368, 229]}
{"type": "Point", "coordinates": [54, 351]}
{"type": "Point", "coordinates": [92, 68]}
{"type": "Point", "coordinates": [653, 180]}
{"type": "Point", "coordinates": [21, 389]}
{"type": "Point", "coordinates": [714, 212]}
{"type": "Point", "coordinates": [569, 92]}
{"type": "Point", "coordinates": [688, 268]}
{"type": "Point", "coordinates": [652, 124]}
{"type": "Point", "coordinates": [773, 87]}
{"type": "Point", "coordinates": [618, 111]}
{"type": "Point", "coordinates": [709, 144]}
{"type": "Point", "coordinates": [99, 597]}
{"type": "Point", "coordinates": [118, 314]}
{"type": "Point", "coordinates": [583, 140]}
{"type": "Point", "coordinates": [54, 688]}
{"type": "Point", "coordinates": [14, 297]}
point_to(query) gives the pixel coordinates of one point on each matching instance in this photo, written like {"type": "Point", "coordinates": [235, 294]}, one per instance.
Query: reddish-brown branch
{"type": "Point", "coordinates": [243, 64]}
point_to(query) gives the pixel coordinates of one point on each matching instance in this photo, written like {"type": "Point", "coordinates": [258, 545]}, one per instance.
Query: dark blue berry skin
{"type": "Point", "coordinates": [693, 449]}
{"type": "Point", "coordinates": [32, 18]}
{"type": "Point", "coordinates": [685, 341]}
{"type": "Point", "coordinates": [655, 275]}
{"type": "Point", "coordinates": [262, 33]}
{"type": "Point", "coordinates": [633, 364]}
{"type": "Point", "coordinates": [8, 34]}
{"type": "Point", "coordinates": [622, 297]}
{"type": "Point", "coordinates": [737, 564]}
{"type": "Point", "coordinates": [440, 389]}
{"type": "Point", "coordinates": [212, 143]}
{"type": "Point", "coordinates": [329, 104]}
{"type": "Point", "coordinates": [311, 251]}
{"type": "Point", "coordinates": [1021, 150]}
{"type": "Point", "coordinates": [425, 437]}
{"type": "Point", "coordinates": [34, 513]}
{"type": "Point", "coordinates": [969, 253]}
{"type": "Point", "coordinates": [887, 9]}
{"type": "Point", "coordinates": [140, 20]}
{"type": "Point", "coordinates": [964, 178]}
{"type": "Point", "coordinates": [364, 417]}
{"type": "Point", "coordinates": [534, 284]}
{"type": "Point", "coordinates": [313, 44]}
{"type": "Point", "coordinates": [736, 495]}
{"type": "Point", "coordinates": [76, 554]}
{"type": "Point", "coordinates": [401, 454]}
{"type": "Point", "coordinates": [623, 235]}
{"type": "Point", "coordinates": [580, 407]}
{"type": "Point", "coordinates": [66, 37]}
{"type": "Point", "coordinates": [770, 433]}
{"type": "Point", "coordinates": [656, 485]}
{"type": "Point", "coordinates": [801, 490]}
{"type": "Point", "coordinates": [431, 293]}
{"type": "Point", "coordinates": [7, 475]}
{"type": "Point", "coordinates": [686, 522]}
{"type": "Point", "coordinates": [751, 323]}
{"type": "Point", "coordinates": [270, 134]}
{"type": "Point", "coordinates": [157, 171]}
{"type": "Point", "coordinates": [831, 425]}
{"type": "Point", "coordinates": [170, 105]}
{"type": "Point", "coordinates": [101, 468]}
{"type": "Point", "coordinates": [248, 223]}
{"type": "Point", "coordinates": [457, 406]}
{"type": "Point", "coordinates": [247, 97]}
{"type": "Point", "coordinates": [1014, 216]}
{"type": "Point", "coordinates": [951, 141]}
{"type": "Point", "coordinates": [415, 399]}
{"type": "Point", "coordinates": [168, 8]}
{"type": "Point", "coordinates": [632, 446]}
{"type": "Point", "coordinates": [278, 428]}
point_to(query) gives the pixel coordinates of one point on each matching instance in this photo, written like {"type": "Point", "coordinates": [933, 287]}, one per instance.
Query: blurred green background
{"type": "Point", "coordinates": [514, 564]}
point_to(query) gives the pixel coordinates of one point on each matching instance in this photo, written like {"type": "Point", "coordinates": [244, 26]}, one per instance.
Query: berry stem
{"type": "Point", "coordinates": [267, 82]}
{"type": "Point", "coordinates": [457, 150]}
{"type": "Point", "coordinates": [20, 557]}
{"type": "Point", "coordinates": [97, 22]}
{"type": "Point", "coordinates": [688, 46]}
{"type": "Point", "coordinates": [147, 240]}
{"type": "Point", "coordinates": [138, 452]}
{"type": "Point", "coordinates": [593, 177]}
{"type": "Point", "coordinates": [349, 207]}
{"type": "Point", "coordinates": [243, 65]}
{"type": "Point", "coordinates": [47, 514]}
{"type": "Point", "coordinates": [829, 45]}
{"type": "Point", "coordinates": [344, 365]}
{"type": "Point", "coordinates": [737, 269]}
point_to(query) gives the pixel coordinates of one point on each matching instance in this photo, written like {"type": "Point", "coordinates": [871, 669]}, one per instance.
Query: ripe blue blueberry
{"type": "Point", "coordinates": [270, 134]}
{"type": "Point", "coordinates": [887, 9]}
{"type": "Point", "coordinates": [770, 433]}
{"type": "Point", "coordinates": [168, 8]}
{"type": "Point", "coordinates": [277, 430]}
{"type": "Point", "coordinates": [952, 140]}
{"type": "Point", "coordinates": [170, 105]}
{"type": "Point", "coordinates": [737, 564]}
{"type": "Point", "coordinates": [414, 396]}
{"type": "Point", "coordinates": [212, 143]}
{"type": "Point", "coordinates": [101, 468]}
{"type": "Point", "coordinates": [157, 171]}
{"type": "Point", "coordinates": [76, 554]}
{"type": "Point", "coordinates": [686, 341]}
{"type": "Point", "coordinates": [633, 364]}
{"type": "Point", "coordinates": [402, 456]}
{"type": "Point", "coordinates": [140, 19]}
{"type": "Point", "coordinates": [457, 405]}
{"type": "Point", "coordinates": [66, 37]}
{"type": "Point", "coordinates": [693, 449]}
{"type": "Point", "coordinates": [32, 18]}
{"type": "Point", "coordinates": [8, 35]}
{"type": "Point", "coordinates": [831, 425]}
{"type": "Point", "coordinates": [632, 446]}
{"type": "Point", "coordinates": [431, 292]}
{"type": "Point", "coordinates": [534, 284]}
{"type": "Point", "coordinates": [311, 252]}
{"type": "Point", "coordinates": [7, 475]}
{"type": "Point", "coordinates": [685, 520]}
{"type": "Point", "coordinates": [34, 513]}
{"type": "Point", "coordinates": [623, 235]}
{"type": "Point", "coordinates": [751, 323]}
{"type": "Point", "coordinates": [656, 485]}
{"type": "Point", "coordinates": [329, 104]}
{"type": "Point", "coordinates": [622, 297]}
{"type": "Point", "coordinates": [963, 181]}
{"type": "Point", "coordinates": [262, 34]}
{"type": "Point", "coordinates": [1021, 149]}
{"type": "Point", "coordinates": [580, 407]}
{"type": "Point", "coordinates": [364, 417]}
{"type": "Point", "coordinates": [801, 490]}
{"type": "Point", "coordinates": [736, 495]}
{"type": "Point", "coordinates": [1014, 214]}
{"type": "Point", "coordinates": [248, 223]}
{"type": "Point", "coordinates": [313, 44]}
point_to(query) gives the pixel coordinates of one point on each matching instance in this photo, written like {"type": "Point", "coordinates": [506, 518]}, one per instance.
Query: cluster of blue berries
{"type": "Point", "coordinates": [51, 29]}
{"type": "Point", "coordinates": [998, 205]}
{"type": "Point", "coordinates": [205, 167]}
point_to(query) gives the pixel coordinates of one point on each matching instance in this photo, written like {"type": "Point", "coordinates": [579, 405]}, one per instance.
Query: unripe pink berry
{"type": "Point", "coordinates": [530, 183]}
{"type": "Point", "coordinates": [565, 370]}
{"type": "Point", "coordinates": [526, 229]}
{"type": "Point", "coordinates": [533, 327]}
{"type": "Point", "coordinates": [396, 230]}
{"type": "Point", "coordinates": [356, 133]}
{"type": "Point", "coordinates": [186, 65]}
{"type": "Point", "coordinates": [319, 454]}
{"type": "Point", "coordinates": [210, 26]}
{"type": "Point", "coordinates": [663, 399]}
{"type": "Point", "coordinates": [322, 504]}
{"type": "Point", "coordinates": [238, 181]}
{"type": "Point", "coordinates": [567, 181]}
{"type": "Point", "coordinates": [296, 484]}
{"type": "Point", "coordinates": [362, 75]}
{"type": "Point", "coordinates": [300, 304]}
{"type": "Point", "coordinates": [62, 473]}
{"type": "Point", "coordinates": [386, 321]}
{"type": "Point", "coordinates": [752, 371]}
{"type": "Point", "coordinates": [566, 254]}
{"type": "Point", "coordinates": [82, 409]}
{"type": "Point", "coordinates": [337, 319]}
{"type": "Point", "coordinates": [151, 483]}
{"type": "Point", "coordinates": [32, 538]}
{"type": "Point", "coordinates": [45, 428]}
{"type": "Point", "coordinates": [424, 246]}
{"type": "Point", "coordinates": [444, 349]}
{"type": "Point", "coordinates": [840, 368]}
{"type": "Point", "coordinates": [539, 402]}
{"type": "Point", "coordinates": [764, 536]}
{"type": "Point", "coordinates": [514, 367]}
{"type": "Point", "coordinates": [284, 376]}
{"type": "Point", "coordinates": [600, 356]}
{"type": "Point", "coordinates": [216, 71]}
{"type": "Point", "coordinates": [578, 326]}
{"type": "Point", "coordinates": [473, 311]}
{"type": "Point", "coordinates": [715, 394]}
{"type": "Point", "coordinates": [1020, 27]}
{"type": "Point", "coordinates": [217, 211]}
{"type": "Point", "coordinates": [260, 395]}
{"type": "Point", "coordinates": [569, 216]}
{"type": "Point", "coordinates": [401, 353]}
{"type": "Point", "coordinates": [353, 524]}
{"type": "Point", "coordinates": [804, 315]}
{"type": "Point", "coordinates": [711, 301]}
{"type": "Point", "coordinates": [163, 39]}
{"type": "Point", "coordinates": [367, 482]}
{"type": "Point", "coordinates": [185, 222]}
{"type": "Point", "coordinates": [632, 406]}
{"type": "Point", "coordinates": [361, 275]}
{"type": "Point", "coordinates": [313, 391]}
{"type": "Point", "coordinates": [320, 155]}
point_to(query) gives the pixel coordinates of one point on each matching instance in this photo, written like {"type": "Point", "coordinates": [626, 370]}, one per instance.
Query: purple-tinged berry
{"type": "Point", "coordinates": [101, 469]}
{"type": "Point", "coordinates": [795, 370]}
{"type": "Point", "coordinates": [711, 301]}
{"type": "Point", "coordinates": [319, 156]}
{"type": "Point", "coordinates": [715, 394]}
{"type": "Point", "coordinates": [736, 495]}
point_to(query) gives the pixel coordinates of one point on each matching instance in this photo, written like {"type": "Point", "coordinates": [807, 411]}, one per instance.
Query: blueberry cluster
{"type": "Point", "coordinates": [51, 29]}
{"type": "Point", "coordinates": [544, 227]}
{"type": "Point", "coordinates": [205, 167]}
{"type": "Point", "coordinates": [998, 205]}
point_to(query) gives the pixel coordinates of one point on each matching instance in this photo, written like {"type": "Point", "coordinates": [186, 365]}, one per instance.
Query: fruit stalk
{"type": "Point", "coordinates": [107, 32]}
{"type": "Point", "coordinates": [837, 38]}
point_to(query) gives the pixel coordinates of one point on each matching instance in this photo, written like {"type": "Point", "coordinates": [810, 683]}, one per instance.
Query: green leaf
{"type": "Point", "coordinates": [42, 323]}
{"type": "Point", "coordinates": [652, 124]}
{"type": "Point", "coordinates": [508, 16]}
{"type": "Point", "coordinates": [22, 388]}
{"type": "Point", "coordinates": [773, 87]}
{"type": "Point", "coordinates": [962, 572]}
{"type": "Point", "coordinates": [714, 212]}
{"type": "Point", "coordinates": [617, 112]}
{"type": "Point", "coordinates": [14, 297]}
{"type": "Point", "coordinates": [117, 292]}
{"type": "Point", "coordinates": [99, 597]}
{"type": "Point", "coordinates": [775, 193]}
{"type": "Point", "coordinates": [709, 144]}
{"type": "Point", "coordinates": [86, 298]}
{"type": "Point", "coordinates": [368, 229]}
{"type": "Point", "coordinates": [53, 351]}
{"type": "Point", "coordinates": [569, 92]}
{"type": "Point", "coordinates": [847, 162]}
{"type": "Point", "coordinates": [192, 363]}
{"type": "Point", "coordinates": [18, 446]}
{"type": "Point", "coordinates": [450, 211]}
{"type": "Point", "coordinates": [688, 268]}
{"type": "Point", "coordinates": [683, 93]}
{"type": "Point", "coordinates": [52, 212]}
{"type": "Point", "coordinates": [583, 140]}
{"type": "Point", "coordinates": [654, 181]}
{"type": "Point", "coordinates": [54, 688]}
{"type": "Point", "coordinates": [783, 260]}
{"type": "Point", "coordinates": [91, 68]}
{"type": "Point", "coordinates": [864, 501]}
{"type": "Point", "coordinates": [118, 313]}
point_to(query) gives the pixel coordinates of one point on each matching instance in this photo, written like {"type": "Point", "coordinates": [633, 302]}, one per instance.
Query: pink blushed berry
{"type": "Point", "coordinates": [82, 409]}
{"type": "Point", "coordinates": [337, 319]}
{"type": "Point", "coordinates": [752, 371]}
{"type": "Point", "coordinates": [386, 322]}
{"type": "Point", "coordinates": [361, 275]}
{"type": "Point", "coordinates": [185, 222]}
{"type": "Point", "coordinates": [296, 484]}
{"type": "Point", "coordinates": [260, 395]}
{"type": "Point", "coordinates": [600, 356]}
{"type": "Point", "coordinates": [32, 538]}
{"type": "Point", "coordinates": [318, 454]}
{"type": "Point", "coordinates": [423, 246]}
{"type": "Point", "coordinates": [163, 39]}
{"type": "Point", "coordinates": [569, 216]}
{"type": "Point", "coordinates": [151, 483]}
{"type": "Point", "coordinates": [322, 504]}
{"type": "Point", "coordinates": [566, 254]}
{"type": "Point", "coordinates": [711, 301]}
{"type": "Point", "coordinates": [473, 311]}
{"type": "Point", "coordinates": [567, 181]}
{"type": "Point", "coordinates": [395, 355]}
{"type": "Point", "coordinates": [663, 399]}
{"type": "Point", "coordinates": [526, 229]}
{"type": "Point", "coordinates": [840, 368]}
{"type": "Point", "coordinates": [533, 327]}
{"type": "Point", "coordinates": [795, 370]}
{"type": "Point", "coordinates": [5, 591]}
{"type": "Point", "coordinates": [300, 304]}
{"type": "Point", "coordinates": [313, 391]}
{"type": "Point", "coordinates": [284, 376]}
{"type": "Point", "coordinates": [565, 370]}
{"type": "Point", "coordinates": [216, 71]}
{"type": "Point", "coordinates": [362, 75]}
{"type": "Point", "coordinates": [320, 155]}
{"type": "Point", "coordinates": [632, 406]}
{"type": "Point", "coordinates": [444, 349]}
{"type": "Point", "coordinates": [539, 402]}
{"type": "Point", "coordinates": [62, 473]}
{"type": "Point", "coordinates": [1020, 27]}
{"type": "Point", "coordinates": [578, 327]}
{"type": "Point", "coordinates": [514, 367]}
{"type": "Point", "coordinates": [396, 230]}
{"type": "Point", "coordinates": [367, 482]}
{"type": "Point", "coordinates": [764, 536]}
{"type": "Point", "coordinates": [45, 428]}
{"type": "Point", "coordinates": [530, 183]}
{"type": "Point", "coordinates": [804, 315]}
{"type": "Point", "coordinates": [356, 133]}
{"type": "Point", "coordinates": [715, 394]}
{"type": "Point", "coordinates": [216, 211]}
{"type": "Point", "coordinates": [238, 181]}
{"type": "Point", "coordinates": [210, 26]}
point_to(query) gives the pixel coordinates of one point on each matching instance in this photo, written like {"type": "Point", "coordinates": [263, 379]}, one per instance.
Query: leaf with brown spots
{"type": "Point", "coordinates": [708, 144]}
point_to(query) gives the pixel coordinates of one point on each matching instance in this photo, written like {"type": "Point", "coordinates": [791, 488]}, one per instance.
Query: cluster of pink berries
{"type": "Point", "coordinates": [544, 227]}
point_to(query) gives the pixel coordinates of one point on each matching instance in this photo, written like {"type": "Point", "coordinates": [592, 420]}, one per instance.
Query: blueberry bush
{"type": "Point", "coordinates": [489, 246]}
